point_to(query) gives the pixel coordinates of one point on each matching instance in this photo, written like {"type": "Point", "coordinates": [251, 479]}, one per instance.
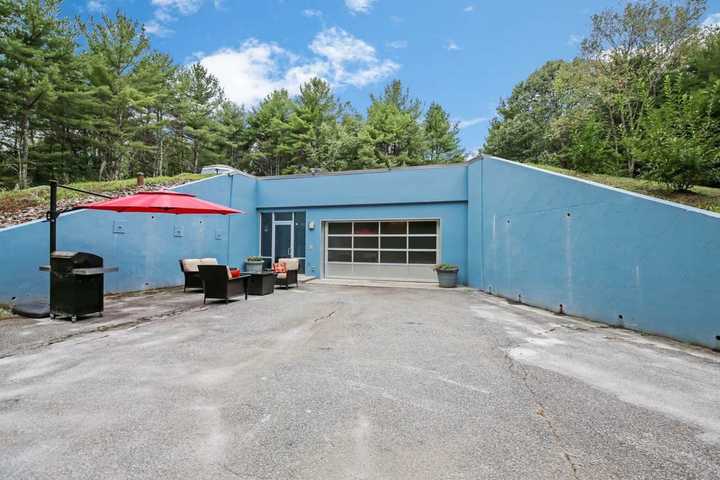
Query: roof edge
{"type": "Point", "coordinates": [361, 172]}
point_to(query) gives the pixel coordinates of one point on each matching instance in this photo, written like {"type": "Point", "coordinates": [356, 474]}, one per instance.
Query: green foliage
{"type": "Point", "coordinates": [707, 198]}
{"type": "Point", "coordinates": [640, 101]}
{"type": "Point", "coordinates": [95, 101]}
{"type": "Point", "coordinates": [40, 195]}
{"type": "Point", "coordinates": [392, 135]}
{"type": "Point", "coordinates": [520, 128]}
{"type": "Point", "coordinates": [441, 136]}
{"type": "Point", "coordinates": [447, 267]}
{"type": "Point", "coordinates": [678, 141]}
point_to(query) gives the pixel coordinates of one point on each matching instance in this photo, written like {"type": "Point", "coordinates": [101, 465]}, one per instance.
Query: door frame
{"type": "Point", "coordinates": [287, 223]}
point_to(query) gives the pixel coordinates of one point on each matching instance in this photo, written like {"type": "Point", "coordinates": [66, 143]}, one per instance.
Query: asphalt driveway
{"type": "Point", "coordinates": [332, 382]}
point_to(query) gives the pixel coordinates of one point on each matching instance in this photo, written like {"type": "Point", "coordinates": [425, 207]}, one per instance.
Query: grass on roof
{"type": "Point", "coordinates": [706, 198]}
{"type": "Point", "coordinates": [40, 195]}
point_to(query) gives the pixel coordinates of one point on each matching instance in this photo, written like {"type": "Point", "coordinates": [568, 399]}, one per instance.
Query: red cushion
{"type": "Point", "coordinates": [235, 273]}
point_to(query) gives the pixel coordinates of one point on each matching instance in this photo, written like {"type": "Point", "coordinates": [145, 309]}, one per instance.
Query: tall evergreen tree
{"type": "Point", "coordinates": [199, 98]}
{"type": "Point", "coordinates": [392, 134]}
{"type": "Point", "coordinates": [269, 127]}
{"type": "Point", "coordinates": [441, 136]}
{"type": "Point", "coordinates": [313, 124]}
{"type": "Point", "coordinates": [116, 49]}
{"type": "Point", "coordinates": [155, 78]}
{"type": "Point", "coordinates": [233, 136]}
{"type": "Point", "coordinates": [36, 47]}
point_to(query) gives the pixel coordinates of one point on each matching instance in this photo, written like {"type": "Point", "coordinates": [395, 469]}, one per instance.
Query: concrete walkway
{"type": "Point", "coordinates": [328, 382]}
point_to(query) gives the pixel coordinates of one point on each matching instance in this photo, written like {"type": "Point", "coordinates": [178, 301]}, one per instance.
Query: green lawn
{"type": "Point", "coordinates": [700, 197]}
{"type": "Point", "coordinates": [11, 200]}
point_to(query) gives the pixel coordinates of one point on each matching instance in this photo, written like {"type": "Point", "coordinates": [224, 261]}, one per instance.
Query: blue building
{"type": "Point", "coordinates": [527, 234]}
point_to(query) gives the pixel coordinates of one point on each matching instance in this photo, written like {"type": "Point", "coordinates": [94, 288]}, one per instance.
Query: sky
{"type": "Point", "coordinates": [463, 54]}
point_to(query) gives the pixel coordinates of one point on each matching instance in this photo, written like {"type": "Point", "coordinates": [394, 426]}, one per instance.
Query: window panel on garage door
{"type": "Point", "coordinates": [383, 242]}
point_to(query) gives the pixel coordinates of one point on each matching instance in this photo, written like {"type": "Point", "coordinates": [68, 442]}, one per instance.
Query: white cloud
{"type": "Point", "coordinates": [452, 46]}
{"type": "Point", "coordinates": [154, 27]}
{"type": "Point", "coordinates": [712, 21]}
{"type": "Point", "coordinates": [166, 11]}
{"type": "Point", "coordinates": [359, 6]}
{"type": "Point", "coordinates": [184, 7]}
{"type": "Point", "coordinates": [338, 46]}
{"type": "Point", "coordinates": [469, 8]}
{"type": "Point", "coordinates": [95, 6]}
{"type": "Point", "coordinates": [252, 71]}
{"type": "Point", "coordinates": [574, 39]}
{"type": "Point", "coordinates": [397, 44]}
{"type": "Point", "coordinates": [471, 122]}
{"type": "Point", "coordinates": [312, 13]}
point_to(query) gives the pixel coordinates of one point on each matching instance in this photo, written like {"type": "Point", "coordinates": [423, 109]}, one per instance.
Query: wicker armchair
{"type": "Point", "coordinates": [291, 276]}
{"type": "Point", "coordinates": [189, 268]}
{"type": "Point", "coordinates": [219, 283]}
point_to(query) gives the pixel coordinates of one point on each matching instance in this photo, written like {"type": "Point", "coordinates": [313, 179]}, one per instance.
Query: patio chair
{"type": "Point", "coordinates": [218, 282]}
{"type": "Point", "coordinates": [189, 268]}
{"type": "Point", "coordinates": [291, 276]}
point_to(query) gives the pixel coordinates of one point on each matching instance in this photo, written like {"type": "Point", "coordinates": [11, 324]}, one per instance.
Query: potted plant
{"type": "Point", "coordinates": [254, 264]}
{"type": "Point", "coordinates": [447, 275]}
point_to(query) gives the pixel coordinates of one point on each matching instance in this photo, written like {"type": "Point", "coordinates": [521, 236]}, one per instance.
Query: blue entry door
{"type": "Point", "coordinates": [283, 241]}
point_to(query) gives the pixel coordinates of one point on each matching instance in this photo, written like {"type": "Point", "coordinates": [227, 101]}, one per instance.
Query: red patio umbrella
{"type": "Point", "coordinates": [163, 201]}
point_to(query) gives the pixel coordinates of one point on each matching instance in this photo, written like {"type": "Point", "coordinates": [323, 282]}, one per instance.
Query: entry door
{"type": "Point", "coordinates": [283, 240]}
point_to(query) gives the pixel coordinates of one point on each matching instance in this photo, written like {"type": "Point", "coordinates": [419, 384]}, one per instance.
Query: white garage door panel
{"type": "Point", "coordinates": [363, 249]}
{"type": "Point", "coordinates": [419, 273]}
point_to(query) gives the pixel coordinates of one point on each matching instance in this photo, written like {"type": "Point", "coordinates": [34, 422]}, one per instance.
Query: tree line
{"type": "Point", "coordinates": [92, 99]}
{"type": "Point", "coordinates": [641, 100]}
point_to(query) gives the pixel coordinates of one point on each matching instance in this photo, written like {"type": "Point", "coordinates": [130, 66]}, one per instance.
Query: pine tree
{"type": "Point", "coordinates": [199, 98]}
{"type": "Point", "coordinates": [116, 49]}
{"type": "Point", "coordinates": [313, 124]}
{"type": "Point", "coordinates": [155, 78]}
{"type": "Point", "coordinates": [269, 128]}
{"type": "Point", "coordinates": [392, 135]}
{"type": "Point", "coordinates": [233, 138]}
{"type": "Point", "coordinates": [36, 46]}
{"type": "Point", "coordinates": [441, 136]}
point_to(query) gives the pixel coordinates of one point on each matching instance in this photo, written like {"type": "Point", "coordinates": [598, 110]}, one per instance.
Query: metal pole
{"type": "Point", "coordinates": [52, 215]}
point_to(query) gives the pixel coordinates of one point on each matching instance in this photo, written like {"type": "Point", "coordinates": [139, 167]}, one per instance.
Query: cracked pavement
{"type": "Point", "coordinates": [351, 382]}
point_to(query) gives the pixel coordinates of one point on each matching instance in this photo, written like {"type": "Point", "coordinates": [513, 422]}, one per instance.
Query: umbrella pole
{"type": "Point", "coordinates": [53, 214]}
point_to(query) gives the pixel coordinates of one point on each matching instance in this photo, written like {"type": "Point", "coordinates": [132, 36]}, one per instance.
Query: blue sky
{"type": "Point", "coordinates": [465, 55]}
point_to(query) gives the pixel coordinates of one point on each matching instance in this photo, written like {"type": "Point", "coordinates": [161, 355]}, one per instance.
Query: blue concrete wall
{"type": "Point", "coordinates": [604, 254]}
{"type": "Point", "coordinates": [452, 218]}
{"type": "Point", "coordinates": [404, 185]}
{"type": "Point", "coordinates": [474, 224]}
{"type": "Point", "coordinates": [147, 252]}
{"type": "Point", "coordinates": [244, 230]}
{"type": "Point", "coordinates": [515, 230]}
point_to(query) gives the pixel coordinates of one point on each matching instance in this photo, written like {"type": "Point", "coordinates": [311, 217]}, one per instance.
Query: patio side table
{"type": "Point", "coordinates": [261, 283]}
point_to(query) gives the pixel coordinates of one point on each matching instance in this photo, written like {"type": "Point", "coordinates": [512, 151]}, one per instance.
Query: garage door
{"type": "Point", "coordinates": [383, 249]}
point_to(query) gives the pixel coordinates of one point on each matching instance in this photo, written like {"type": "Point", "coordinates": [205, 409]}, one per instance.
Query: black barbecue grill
{"type": "Point", "coordinates": [76, 284]}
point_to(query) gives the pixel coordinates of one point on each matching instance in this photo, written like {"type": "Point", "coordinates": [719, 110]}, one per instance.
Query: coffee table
{"type": "Point", "coordinates": [261, 283]}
